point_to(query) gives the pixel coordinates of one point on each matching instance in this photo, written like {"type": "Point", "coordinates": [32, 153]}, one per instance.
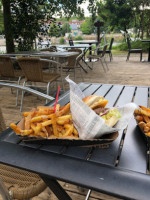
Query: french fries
{"type": "Point", "coordinates": [43, 122]}
{"type": "Point", "coordinates": [142, 116]}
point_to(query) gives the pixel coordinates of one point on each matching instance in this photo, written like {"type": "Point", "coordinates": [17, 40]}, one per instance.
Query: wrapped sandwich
{"type": "Point", "coordinates": [98, 103]}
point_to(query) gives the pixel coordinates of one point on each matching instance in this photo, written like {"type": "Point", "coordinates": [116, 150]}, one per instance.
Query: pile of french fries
{"type": "Point", "coordinates": [44, 122]}
{"type": "Point", "coordinates": [142, 116]}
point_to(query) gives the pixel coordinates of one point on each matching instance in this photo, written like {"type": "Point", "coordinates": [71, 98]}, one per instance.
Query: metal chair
{"type": "Point", "coordinates": [8, 74]}
{"type": "Point", "coordinates": [46, 65]}
{"type": "Point", "coordinates": [108, 51]}
{"type": "Point", "coordinates": [100, 58]}
{"type": "Point", "coordinates": [71, 43]}
{"type": "Point", "coordinates": [73, 63]}
{"type": "Point", "coordinates": [32, 69]}
{"type": "Point", "coordinates": [16, 183]}
{"type": "Point", "coordinates": [130, 50]}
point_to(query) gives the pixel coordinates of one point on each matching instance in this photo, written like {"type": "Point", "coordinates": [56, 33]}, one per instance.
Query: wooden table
{"type": "Point", "coordinates": [120, 170]}
{"type": "Point", "coordinates": [148, 49]}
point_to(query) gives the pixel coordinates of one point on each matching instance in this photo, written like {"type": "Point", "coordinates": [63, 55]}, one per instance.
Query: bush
{"type": "Point", "coordinates": [134, 45]}
{"type": "Point", "coordinates": [62, 40]}
{"type": "Point", "coordinates": [78, 37]}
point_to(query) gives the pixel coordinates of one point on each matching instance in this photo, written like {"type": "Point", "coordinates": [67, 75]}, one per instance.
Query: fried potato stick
{"type": "Point", "coordinates": [75, 132]}
{"type": "Point", "coordinates": [64, 110]}
{"type": "Point", "coordinates": [69, 130]}
{"type": "Point", "coordinates": [46, 123]}
{"type": "Point", "coordinates": [15, 128]}
{"type": "Point", "coordinates": [54, 125]}
{"type": "Point", "coordinates": [27, 124]}
{"type": "Point", "coordinates": [40, 118]}
{"type": "Point", "coordinates": [26, 132]}
{"type": "Point", "coordinates": [146, 118]}
{"type": "Point", "coordinates": [144, 112]}
{"type": "Point", "coordinates": [48, 130]}
{"type": "Point", "coordinates": [64, 119]}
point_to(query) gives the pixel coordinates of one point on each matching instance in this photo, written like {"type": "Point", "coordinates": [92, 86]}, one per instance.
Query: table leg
{"type": "Point", "coordinates": [149, 54]}
{"type": "Point", "coordinates": [83, 68]}
{"type": "Point", "coordinates": [90, 49]}
{"type": "Point", "coordinates": [84, 59]}
{"type": "Point", "coordinates": [56, 189]}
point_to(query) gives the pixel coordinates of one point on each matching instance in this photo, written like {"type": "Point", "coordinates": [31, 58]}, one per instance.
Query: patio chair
{"type": "Point", "coordinates": [100, 58]}
{"type": "Point", "coordinates": [73, 63]}
{"type": "Point", "coordinates": [71, 43]}
{"type": "Point", "coordinates": [108, 51]}
{"type": "Point", "coordinates": [130, 50]}
{"type": "Point", "coordinates": [16, 183]}
{"type": "Point", "coordinates": [8, 74]}
{"type": "Point", "coordinates": [32, 69]}
{"type": "Point", "coordinates": [46, 65]}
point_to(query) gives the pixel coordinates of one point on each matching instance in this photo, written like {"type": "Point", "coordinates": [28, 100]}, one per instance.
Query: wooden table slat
{"type": "Point", "coordinates": [126, 96]}
{"type": "Point", "coordinates": [104, 178]}
{"type": "Point", "coordinates": [133, 154]}
{"type": "Point", "coordinates": [102, 91]}
{"type": "Point", "coordinates": [77, 152]}
{"type": "Point", "coordinates": [91, 89]}
{"type": "Point", "coordinates": [109, 156]}
{"type": "Point", "coordinates": [11, 137]}
{"type": "Point", "coordinates": [113, 95]}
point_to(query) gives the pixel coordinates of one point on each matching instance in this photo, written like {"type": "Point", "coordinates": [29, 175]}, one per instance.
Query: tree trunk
{"type": "Point", "coordinates": [142, 25]}
{"type": "Point", "coordinates": [7, 26]}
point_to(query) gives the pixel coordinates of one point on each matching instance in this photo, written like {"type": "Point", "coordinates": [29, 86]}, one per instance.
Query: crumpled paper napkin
{"type": "Point", "coordinates": [87, 122]}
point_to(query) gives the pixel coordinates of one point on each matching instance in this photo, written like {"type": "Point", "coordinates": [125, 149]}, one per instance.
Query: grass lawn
{"type": "Point", "coordinates": [118, 52]}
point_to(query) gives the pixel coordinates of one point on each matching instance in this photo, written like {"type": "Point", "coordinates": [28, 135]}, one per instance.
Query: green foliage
{"type": "Point", "coordinates": [119, 13]}
{"type": "Point", "coordinates": [29, 16]}
{"type": "Point", "coordinates": [62, 40]}
{"type": "Point", "coordinates": [124, 14]}
{"type": "Point", "coordinates": [54, 30]}
{"type": "Point", "coordinates": [27, 20]}
{"type": "Point", "coordinates": [87, 27]}
{"type": "Point", "coordinates": [78, 37]}
{"type": "Point", "coordinates": [1, 19]}
{"type": "Point", "coordinates": [134, 45]}
{"type": "Point", "coordinates": [70, 37]}
{"type": "Point", "coordinates": [65, 28]}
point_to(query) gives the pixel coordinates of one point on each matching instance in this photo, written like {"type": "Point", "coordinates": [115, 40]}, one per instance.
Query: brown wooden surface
{"type": "Point", "coordinates": [132, 72]}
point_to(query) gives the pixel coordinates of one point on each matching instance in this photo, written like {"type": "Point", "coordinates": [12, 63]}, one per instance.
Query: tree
{"type": "Point", "coordinates": [65, 28]}
{"type": "Point", "coordinates": [54, 30]}
{"type": "Point", "coordinates": [8, 26]}
{"type": "Point", "coordinates": [87, 27]}
{"type": "Point", "coordinates": [142, 17]}
{"type": "Point", "coordinates": [120, 13]}
{"type": "Point", "coordinates": [1, 19]}
{"type": "Point", "coordinates": [27, 16]}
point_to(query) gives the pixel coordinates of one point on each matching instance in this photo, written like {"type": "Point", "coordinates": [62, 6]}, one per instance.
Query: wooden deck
{"type": "Point", "coordinates": [132, 72]}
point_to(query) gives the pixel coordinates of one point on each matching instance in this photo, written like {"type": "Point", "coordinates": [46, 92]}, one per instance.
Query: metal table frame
{"type": "Point", "coordinates": [85, 48]}
{"type": "Point", "coordinates": [122, 170]}
{"type": "Point", "coordinates": [148, 49]}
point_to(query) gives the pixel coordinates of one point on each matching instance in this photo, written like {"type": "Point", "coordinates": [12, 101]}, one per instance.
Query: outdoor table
{"type": "Point", "coordinates": [85, 48]}
{"type": "Point", "coordinates": [122, 170]}
{"type": "Point", "coordinates": [20, 53]}
{"type": "Point", "coordinates": [62, 54]}
{"type": "Point", "coordinates": [148, 49]}
{"type": "Point", "coordinates": [89, 42]}
{"type": "Point", "coordinates": [42, 54]}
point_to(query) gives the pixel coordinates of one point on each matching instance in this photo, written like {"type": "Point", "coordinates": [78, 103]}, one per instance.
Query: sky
{"type": "Point", "coordinates": [84, 6]}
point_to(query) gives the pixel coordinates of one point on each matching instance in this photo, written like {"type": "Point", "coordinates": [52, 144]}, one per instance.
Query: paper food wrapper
{"type": "Point", "coordinates": [87, 122]}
